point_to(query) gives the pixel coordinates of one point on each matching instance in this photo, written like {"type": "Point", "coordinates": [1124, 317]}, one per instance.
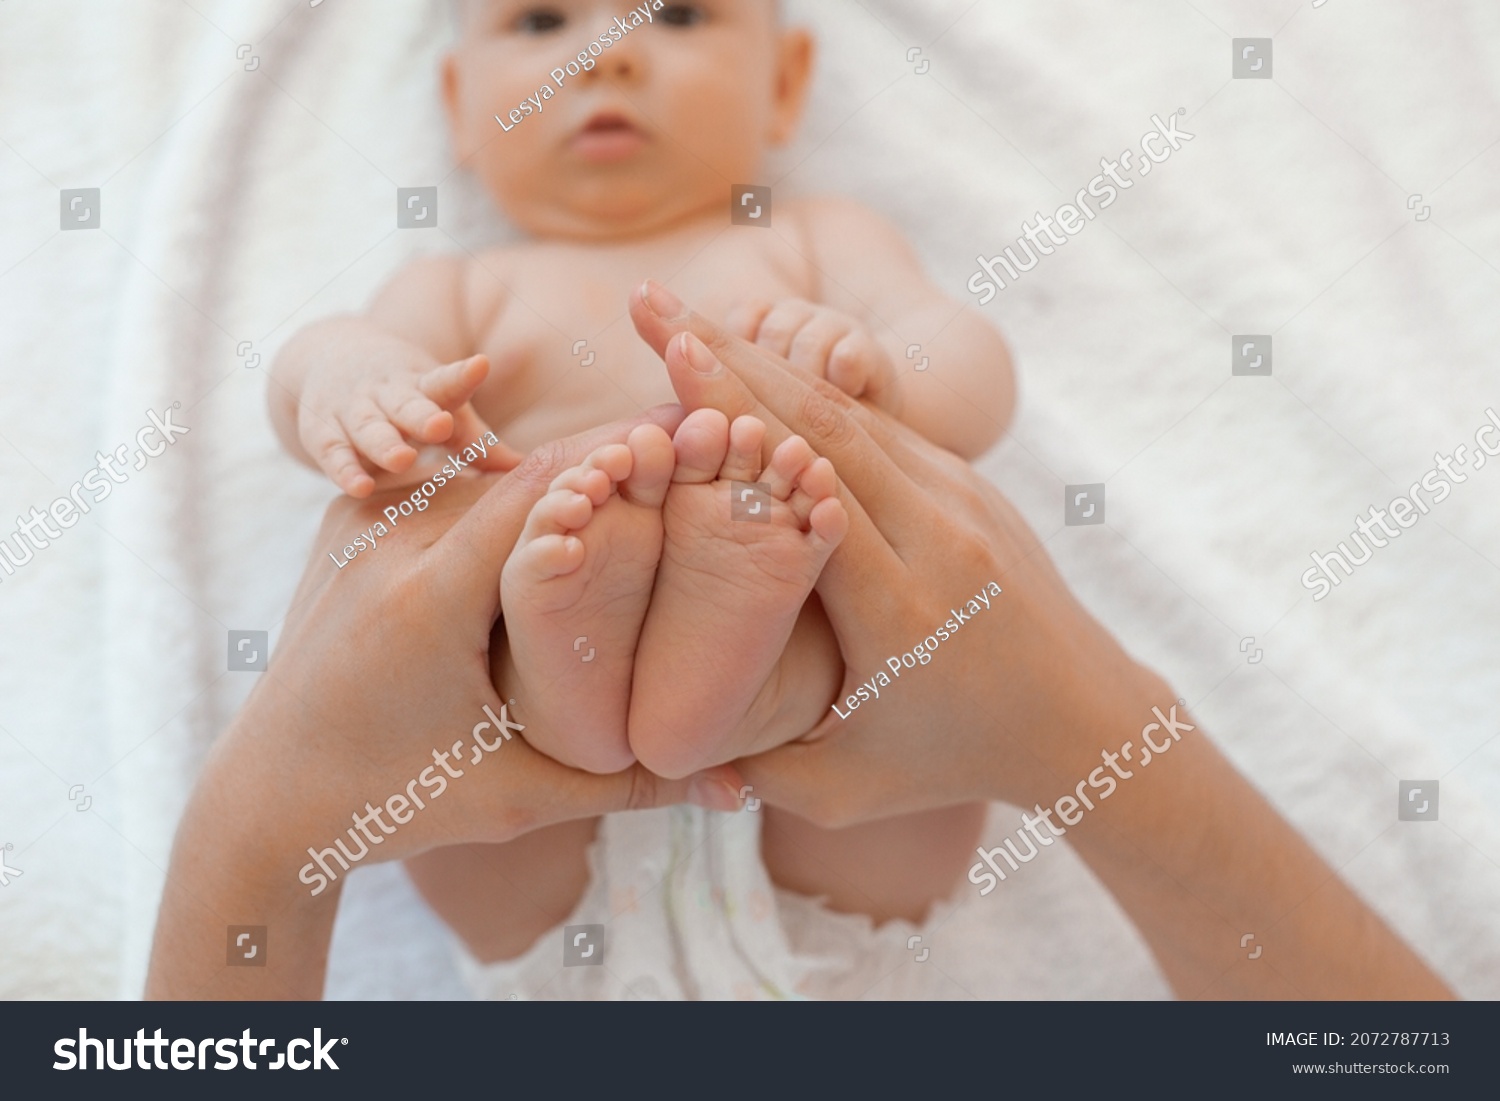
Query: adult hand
{"type": "Point", "coordinates": [1024, 701]}
{"type": "Point", "coordinates": [379, 691]}
{"type": "Point", "coordinates": [1009, 704]}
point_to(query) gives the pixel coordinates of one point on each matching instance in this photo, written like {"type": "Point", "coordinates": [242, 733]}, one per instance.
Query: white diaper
{"type": "Point", "coordinates": [690, 913]}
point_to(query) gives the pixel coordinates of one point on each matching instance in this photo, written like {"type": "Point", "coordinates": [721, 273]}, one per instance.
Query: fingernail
{"type": "Point", "coordinates": [698, 357]}
{"type": "Point", "coordinates": [713, 795]}
{"type": "Point", "coordinates": [662, 302]}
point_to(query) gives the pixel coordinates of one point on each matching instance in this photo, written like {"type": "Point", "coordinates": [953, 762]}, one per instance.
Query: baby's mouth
{"type": "Point", "coordinates": [608, 136]}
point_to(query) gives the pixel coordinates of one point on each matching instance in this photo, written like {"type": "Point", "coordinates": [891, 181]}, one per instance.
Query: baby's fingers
{"type": "Point", "coordinates": [859, 367]}
{"type": "Point", "coordinates": [782, 324]}
{"type": "Point", "coordinates": [452, 385]}
{"type": "Point", "coordinates": [814, 343]}
{"type": "Point", "coordinates": [376, 438]}
{"type": "Point", "coordinates": [418, 417]}
{"type": "Point", "coordinates": [849, 364]}
{"type": "Point", "coordinates": [331, 450]}
{"type": "Point", "coordinates": [469, 429]}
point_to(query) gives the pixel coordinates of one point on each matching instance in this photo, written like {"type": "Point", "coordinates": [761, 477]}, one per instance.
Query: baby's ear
{"type": "Point", "coordinates": [796, 52]}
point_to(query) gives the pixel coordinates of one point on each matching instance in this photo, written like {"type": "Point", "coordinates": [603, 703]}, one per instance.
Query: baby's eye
{"type": "Point", "coordinates": [682, 15]}
{"type": "Point", "coordinates": [540, 21]}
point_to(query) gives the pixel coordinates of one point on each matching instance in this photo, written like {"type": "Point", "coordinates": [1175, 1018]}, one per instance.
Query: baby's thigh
{"type": "Point", "coordinates": [500, 899]}
{"type": "Point", "coordinates": [890, 868]}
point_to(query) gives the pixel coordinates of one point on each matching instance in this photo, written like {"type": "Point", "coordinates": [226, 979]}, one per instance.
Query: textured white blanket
{"type": "Point", "coordinates": [246, 191]}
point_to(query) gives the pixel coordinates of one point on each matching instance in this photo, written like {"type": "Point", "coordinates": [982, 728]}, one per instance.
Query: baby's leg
{"type": "Point", "coordinates": [575, 592]}
{"type": "Point", "coordinates": [890, 868]}
{"type": "Point", "coordinates": [729, 589]}
{"type": "Point", "coordinates": [500, 898]}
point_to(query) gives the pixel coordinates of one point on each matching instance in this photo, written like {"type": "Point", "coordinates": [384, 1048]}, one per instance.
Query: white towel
{"type": "Point", "coordinates": [244, 196]}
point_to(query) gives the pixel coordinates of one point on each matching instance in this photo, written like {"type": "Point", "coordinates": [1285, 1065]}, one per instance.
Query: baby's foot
{"type": "Point", "coordinates": [575, 591]}
{"type": "Point", "coordinates": [728, 590]}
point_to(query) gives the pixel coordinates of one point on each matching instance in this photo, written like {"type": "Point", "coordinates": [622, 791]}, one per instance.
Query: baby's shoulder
{"type": "Point", "coordinates": [841, 222]}
{"type": "Point", "coordinates": [816, 214]}
{"type": "Point", "coordinates": [477, 281]}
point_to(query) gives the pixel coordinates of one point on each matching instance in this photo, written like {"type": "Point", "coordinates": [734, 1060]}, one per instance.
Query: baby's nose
{"type": "Point", "coordinates": [623, 62]}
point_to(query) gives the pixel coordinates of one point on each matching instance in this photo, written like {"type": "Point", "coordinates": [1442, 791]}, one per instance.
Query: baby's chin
{"type": "Point", "coordinates": [604, 214]}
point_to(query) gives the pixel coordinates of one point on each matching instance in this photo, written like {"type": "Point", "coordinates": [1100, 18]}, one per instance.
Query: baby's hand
{"type": "Point", "coordinates": [823, 342]}
{"type": "Point", "coordinates": [357, 415]}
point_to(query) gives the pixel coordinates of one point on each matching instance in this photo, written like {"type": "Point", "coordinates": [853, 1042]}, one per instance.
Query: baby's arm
{"type": "Point", "coordinates": [354, 393]}
{"type": "Point", "coordinates": [866, 273]}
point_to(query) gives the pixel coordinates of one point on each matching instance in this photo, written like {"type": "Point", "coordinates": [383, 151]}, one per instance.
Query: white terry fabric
{"type": "Point", "coordinates": [239, 205]}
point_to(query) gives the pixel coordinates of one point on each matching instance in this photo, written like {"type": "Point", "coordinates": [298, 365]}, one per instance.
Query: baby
{"type": "Point", "coordinates": [707, 642]}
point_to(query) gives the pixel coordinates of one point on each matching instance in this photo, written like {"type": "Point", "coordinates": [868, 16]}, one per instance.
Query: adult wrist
{"type": "Point", "coordinates": [253, 821]}
{"type": "Point", "coordinates": [1096, 698]}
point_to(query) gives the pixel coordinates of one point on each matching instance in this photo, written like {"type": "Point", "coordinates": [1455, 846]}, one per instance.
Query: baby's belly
{"type": "Point", "coordinates": [575, 405]}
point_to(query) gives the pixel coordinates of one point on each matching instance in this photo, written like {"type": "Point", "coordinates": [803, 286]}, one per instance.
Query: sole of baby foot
{"type": "Point", "coordinates": [744, 547]}
{"type": "Point", "coordinates": [574, 593]}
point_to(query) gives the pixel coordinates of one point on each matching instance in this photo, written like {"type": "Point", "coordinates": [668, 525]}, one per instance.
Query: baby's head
{"type": "Point", "coordinates": [647, 128]}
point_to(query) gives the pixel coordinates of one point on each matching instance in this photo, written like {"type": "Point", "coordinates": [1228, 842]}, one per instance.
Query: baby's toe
{"type": "Point", "coordinates": [559, 512]}
{"type": "Point", "coordinates": [700, 445]}
{"type": "Point", "coordinates": [828, 523]}
{"type": "Point", "coordinates": [612, 461]}
{"type": "Point", "coordinates": [817, 483]}
{"type": "Point", "coordinates": [593, 484]}
{"type": "Point", "coordinates": [615, 460]}
{"type": "Point", "coordinates": [544, 558]}
{"type": "Point", "coordinates": [789, 461]}
{"type": "Point", "coordinates": [654, 460]}
{"type": "Point", "coordinates": [597, 475]}
{"type": "Point", "coordinates": [742, 460]}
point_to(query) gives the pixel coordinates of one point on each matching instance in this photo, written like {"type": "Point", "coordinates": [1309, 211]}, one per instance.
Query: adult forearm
{"type": "Point", "coordinates": [234, 865]}
{"type": "Point", "coordinates": [1232, 900]}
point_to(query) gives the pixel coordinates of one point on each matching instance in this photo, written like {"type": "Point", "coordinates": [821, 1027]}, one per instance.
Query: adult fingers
{"type": "Point", "coordinates": [866, 561]}
{"type": "Point", "coordinates": [813, 780]}
{"type": "Point", "coordinates": [788, 400]}
{"type": "Point", "coordinates": [571, 794]}
{"type": "Point", "coordinates": [767, 387]}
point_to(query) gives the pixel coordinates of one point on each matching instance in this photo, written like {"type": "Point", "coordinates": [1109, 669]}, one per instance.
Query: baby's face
{"type": "Point", "coordinates": [666, 120]}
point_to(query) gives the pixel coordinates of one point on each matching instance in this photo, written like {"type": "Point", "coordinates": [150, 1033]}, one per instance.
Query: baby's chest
{"type": "Point", "coordinates": [565, 356]}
